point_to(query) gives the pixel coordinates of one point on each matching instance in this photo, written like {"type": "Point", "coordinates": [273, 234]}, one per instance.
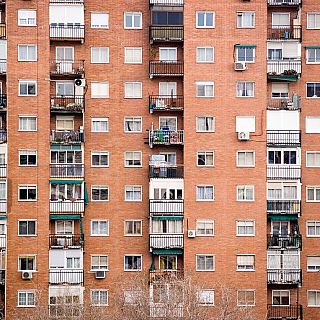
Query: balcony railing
{"type": "Point", "coordinates": [3, 101]}
{"type": "Point", "coordinates": [2, 241]}
{"type": "Point", "coordinates": [3, 33]}
{"type": "Point", "coordinates": [165, 137]}
{"type": "Point", "coordinates": [161, 311]}
{"type": "Point", "coordinates": [167, 3]}
{"type": "Point", "coordinates": [165, 171]}
{"type": "Point", "coordinates": [3, 170]}
{"type": "Point", "coordinates": [165, 103]}
{"type": "Point", "coordinates": [67, 206]}
{"type": "Point", "coordinates": [284, 68]}
{"type": "Point", "coordinates": [285, 172]}
{"type": "Point", "coordinates": [66, 137]}
{"type": "Point", "coordinates": [166, 207]}
{"type": "Point", "coordinates": [3, 135]}
{"type": "Point", "coordinates": [284, 241]}
{"type": "Point", "coordinates": [284, 276]}
{"type": "Point", "coordinates": [284, 207]}
{"type": "Point", "coordinates": [284, 2]}
{"type": "Point", "coordinates": [284, 33]}
{"type": "Point", "coordinates": [292, 312]}
{"type": "Point", "coordinates": [67, 104]}
{"type": "Point", "coordinates": [67, 1]}
{"type": "Point", "coordinates": [74, 170]}
{"type": "Point", "coordinates": [165, 69]}
{"type": "Point", "coordinates": [293, 103]}
{"type": "Point", "coordinates": [2, 277]}
{"type": "Point", "coordinates": [65, 241]}
{"type": "Point", "coordinates": [73, 32]}
{"type": "Point", "coordinates": [283, 138]}
{"type": "Point", "coordinates": [166, 241]}
{"type": "Point", "coordinates": [165, 275]}
{"type": "Point", "coordinates": [166, 33]}
{"type": "Point", "coordinates": [70, 276]}
{"type": "Point", "coordinates": [67, 68]}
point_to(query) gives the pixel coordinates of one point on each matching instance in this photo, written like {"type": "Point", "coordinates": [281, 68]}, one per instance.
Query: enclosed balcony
{"type": "Point", "coordinates": [165, 171]}
{"type": "Point", "coordinates": [285, 172]}
{"type": "Point", "coordinates": [165, 137]}
{"type": "Point", "coordinates": [165, 103]}
{"type": "Point", "coordinates": [283, 138]}
{"type": "Point", "coordinates": [284, 276]}
{"type": "Point", "coordinates": [283, 33]}
{"type": "Point", "coordinates": [74, 170]}
{"type": "Point", "coordinates": [72, 241]}
{"type": "Point", "coordinates": [288, 241]}
{"type": "Point", "coordinates": [67, 137]}
{"type": "Point", "coordinates": [292, 103]}
{"type": "Point", "coordinates": [3, 207]}
{"type": "Point", "coordinates": [67, 104]}
{"type": "Point", "coordinates": [165, 275]}
{"type": "Point", "coordinates": [287, 207]}
{"type": "Point", "coordinates": [278, 312]}
{"type": "Point", "coordinates": [3, 170]}
{"type": "Point", "coordinates": [68, 277]}
{"type": "Point", "coordinates": [166, 207]}
{"type": "Point", "coordinates": [3, 135]}
{"type": "Point", "coordinates": [69, 31]}
{"type": "Point", "coordinates": [69, 206]}
{"type": "Point", "coordinates": [67, 68]}
{"type": "Point", "coordinates": [3, 32]}
{"type": "Point", "coordinates": [165, 69]}
{"type": "Point", "coordinates": [166, 241]}
{"type": "Point", "coordinates": [2, 241]}
{"type": "Point", "coordinates": [284, 3]}
{"type": "Point", "coordinates": [166, 34]}
{"type": "Point", "coordinates": [3, 102]}
{"type": "Point", "coordinates": [68, 1]}
{"type": "Point", "coordinates": [284, 70]}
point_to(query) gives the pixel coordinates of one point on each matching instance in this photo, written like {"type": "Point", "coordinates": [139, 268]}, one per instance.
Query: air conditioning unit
{"type": "Point", "coordinates": [26, 275]}
{"type": "Point", "coordinates": [80, 82]}
{"type": "Point", "coordinates": [100, 274]}
{"type": "Point", "coordinates": [240, 66]}
{"type": "Point", "coordinates": [243, 135]}
{"type": "Point", "coordinates": [191, 233]}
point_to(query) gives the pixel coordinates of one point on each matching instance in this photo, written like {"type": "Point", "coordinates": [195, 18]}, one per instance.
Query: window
{"type": "Point", "coordinates": [26, 299]}
{"type": "Point", "coordinates": [64, 123]}
{"type": "Point", "coordinates": [27, 18]}
{"type": "Point", "coordinates": [99, 55]}
{"type": "Point", "coordinates": [313, 229]}
{"type": "Point", "coordinates": [283, 156]}
{"type": "Point", "coordinates": [245, 124]}
{"type": "Point", "coordinates": [99, 297]}
{"type": "Point", "coordinates": [99, 20]}
{"type": "Point", "coordinates": [99, 124]}
{"type": "Point", "coordinates": [245, 228]}
{"type": "Point", "coordinates": [133, 90]}
{"type": "Point", "coordinates": [132, 296]}
{"type": "Point", "coordinates": [168, 54]}
{"type": "Point", "coordinates": [280, 297]}
{"type": "Point", "coordinates": [133, 20]}
{"type": "Point", "coordinates": [27, 157]}
{"type": "Point", "coordinates": [205, 19]}
{"type": "Point", "coordinates": [205, 193]}
{"type": "Point", "coordinates": [133, 193]}
{"type": "Point", "coordinates": [205, 89]}
{"type": "Point", "coordinates": [313, 89]}
{"type": "Point", "coordinates": [73, 263]}
{"type": "Point", "coordinates": [313, 298]}
{"type": "Point", "coordinates": [245, 54]}
{"type": "Point", "coordinates": [313, 20]}
{"type": "Point", "coordinates": [205, 124]}
{"type": "Point", "coordinates": [132, 124]}
{"type": "Point", "coordinates": [245, 158]}
{"type": "Point", "coordinates": [133, 263]}
{"type": "Point", "coordinates": [167, 262]}
{"type": "Point", "coordinates": [27, 88]}
{"type": "Point", "coordinates": [133, 159]}
{"type": "Point", "coordinates": [205, 262]}
{"type": "Point", "coordinates": [27, 52]}
{"type": "Point", "coordinates": [245, 19]}
{"type": "Point", "coordinates": [206, 297]}
{"type": "Point", "coordinates": [62, 192]}
{"type": "Point", "coordinates": [313, 194]}
{"type": "Point", "coordinates": [205, 55]}
{"type": "Point", "coordinates": [245, 262]}
{"type": "Point", "coordinates": [313, 264]}
{"type": "Point", "coordinates": [99, 227]}
{"type": "Point", "coordinates": [99, 262]}
{"type": "Point", "coordinates": [65, 88]}
{"type": "Point", "coordinates": [27, 192]}
{"type": "Point", "coordinates": [312, 124]}
{"type": "Point", "coordinates": [168, 89]}
{"type": "Point", "coordinates": [205, 228]}
{"type": "Point", "coordinates": [133, 55]}
{"type": "Point", "coordinates": [133, 228]}
{"type": "Point", "coordinates": [99, 90]}
{"type": "Point", "coordinates": [245, 193]}
{"type": "Point", "coordinates": [99, 193]}
{"type": "Point", "coordinates": [168, 122]}
{"type": "Point", "coordinates": [27, 227]}
{"type": "Point", "coordinates": [313, 159]}
{"type": "Point", "coordinates": [246, 298]}
{"type": "Point", "coordinates": [166, 226]}
{"type": "Point", "coordinates": [27, 263]}
{"type": "Point", "coordinates": [313, 55]}
{"type": "Point", "coordinates": [245, 89]}
{"type": "Point", "coordinates": [99, 159]}
{"type": "Point", "coordinates": [166, 18]}
{"type": "Point", "coordinates": [205, 158]}
{"type": "Point", "coordinates": [280, 90]}
{"type": "Point", "coordinates": [280, 20]}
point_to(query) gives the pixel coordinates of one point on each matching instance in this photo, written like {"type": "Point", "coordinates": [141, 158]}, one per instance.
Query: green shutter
{"type": "Point", "coordinates": [169, 251]}
{"type": "Point", "coordinates": [3, 217]}
{"type": "Point", "coordinates": [283, 217]}
{"type": "Point", "coordinates": [86, 196]}
{"type": "Point", "coordinates": [243, 46]}
{"type": "Point", "coordinates": [64, 147]}
{"type": "Point", "coordinates": [66, 181]}
{"type": "Point", "coordinates": [312, 47]}
{"type": "Point", "coordinates": [65, 216]}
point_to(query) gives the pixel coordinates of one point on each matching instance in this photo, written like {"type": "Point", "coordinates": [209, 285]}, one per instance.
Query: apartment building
{"type": "Point", "coordinates": [160, 137]}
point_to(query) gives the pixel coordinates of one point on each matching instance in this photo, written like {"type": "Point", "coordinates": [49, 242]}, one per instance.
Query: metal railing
{"type": "Point", "coordinates": [165, 171]}
{"type": "Point", "coordinates": [65, 241]}
{"type": "Point", "coordinates": [67, 136]}
{"type": "Point", "coordinates": [159, 311]}
{"type": "Point", "coordinates": [3, 32]}
{"type": "Point", "coordinates": [3, 100]}
{"type": "Point", "coordinates": [292, 312]}
{"type": "Point", "coordinates": [166, 241]}
{"type": "Point", "coordinates": [293, 103]}
{"type": "Point", "coordinates": [284, 276]}
{"type": "Point", "coordinates": [284, 2]}
{"type": "Point", "coordinates": [166, 207]}
{"type": "Point", "coordinates": [165, 275]}
{"type": "Point", "coordinates": [67, 68]}
{"type": "Point", "coordinates": [284, 241]}
{"type": "Point", "coordinates": [67, 206]}
{"type": "Point", "coordinates": [283, 172]}
{"type": "Point", "coordinates": [165, 137]}
{"type": "Point", "coordinates": [284, 207]}
{"type": "Point", "coordinates": [165, 33]}
{"type": "Point", "coordinates": [165, 68]}
{"type": "Point", "coordinates": [67, 32]}
{"type": "Point", "coordinates": [74, 170]}
{"type": "Point", "coordinates": [69, 104]}
{"type": "Point", "coordinates": [70, 276]}
{"type": "Point", "coordinates": [166, 103]}
{"type": "Point", "coordinates": [284, 33]}
{"type": "Point", "coordinates": [167, 3]}
{"type": "Point", "coordinates": [284, 68]}
{"type": "Point", "coordinates": [3, 170]}
{"type": "Point", "coordinates": [283, 138]}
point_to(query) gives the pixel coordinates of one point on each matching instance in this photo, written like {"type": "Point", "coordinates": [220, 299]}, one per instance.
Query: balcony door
{"type": "Point", "coordinates": [280, 228]}
{"type": "Point", "coordinates": [64, 227]}
{"type": "Point", "coordinates": [170, 158]}
{"type": "Point", "coordinates": [168, 89]}
{"type": "Point", "coordinates": [3, 56]}
{"type": "Point", "coordinates": [65, 89]}
{"type": "Point", "coordinates": [168, 54]}
{"type": "Point", "coordinates": [169, 123]}
{"type": "Point", "coordinates": [167, 226]}
{"type": "Point", "coordinates": [64, 59]}
{"type": "Point", "coordinates": [280, 20]}
{"type": "Point", "coordinates": [167, 262]}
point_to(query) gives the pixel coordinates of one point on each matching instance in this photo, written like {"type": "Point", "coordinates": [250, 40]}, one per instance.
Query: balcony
{"type": "Point", "coordinates": [291, 312]}
{"type": "Point", "coordinates": [284, 3]}
{"type": "Point", "coordinates": [71, 32]}
{"type": "Point", "coordinates": [75, 170]}
{"type": "Point", "coordinates": [286, 172]}
{"type": "Point", "coordinates": [284, 207]}
{"type": "Point", "coordinates": [3, 135]}
{"type": "Point", "coordinates": [73, 104]}
{"type": "Point", "coordinates": [284, 241]}
{"type": "Point", "coordinates": [165, 69]}
{"type": "Point", "coordinates": [284, 70]}
{"type": "Point", "coordinates": [166, 3]}
{"type": "Point", "coordinates": [165, 275]}
{"type": "Point", "coordinates": [3, 102]}
{"type": "Point", "coordinates": [67, 206]}
{"type": "Point", "coordinates": [165, 137]}
{"type": "Point", "coordinates": [70, 276]}
{"type": "Point", "coordinates": [3, 170]}
{"type": "Point", "coordinates": [165, 103]}
{"type": "Point", "coordinates": [292, 104]}
{"type": "Point", "coordinates": [284, 276]}
{"type": "Point", "coordinates": [66, 137]}
{"type": "Point", "coordinates": [57, 241]}
{"type": "Point", "coordinates": [166, 34]}
{"type": "Point", "coordinates": [3, 207]}
{"type": "Point", "coordinates": [2, 241]}
{"type": "Point", "coordinates": [3, 66]}
{"type": "Point", "coordinates": [283, 138]}
{"type": "Point", "coordinates": [67, 1]}
{"type": "Point", "coordinates": [161, 311]}
{"type": "Point", "coordinates": [2, 277]}
{"type": "Point", "coordinates": [166, 241]}
{"type": "Point", "coordinates": [165, 171]}
{"type": "Point", "coordinates": [166, 207]}
{"type": "Point", "coordinates": [284, 33]}
{"type": "Point", "coordinates": [3, 33]}
{"type": "Point", "coordinates": [72, 69]}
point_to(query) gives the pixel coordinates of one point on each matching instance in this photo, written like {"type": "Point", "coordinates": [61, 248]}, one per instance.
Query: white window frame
{"type": "Point", "coordinates": [100, 187]}
{"type": "Point", "coordinates": [205, 152]}
{"type": "Point", "coordinates": [311, 152]}
{"type": "Point", "coordinates": [317, 56]}
{"type": "Point", "coordinates": [34, 256]}
{"type": "Point", "coordinates": [106, 119]}
{"type": "Point", "coordinates": [246, 165]}
{"type": "Point", "coordinates": [133, 84]}
{"type": "Point", "coordinates": [27, 293]}
{"type": "Point", "coordinates": [132, 186]}
{"type": "Point", "coordinates": [126, 153]}
{"type": "Point", "coordinates": [133, 234]}
{"type": "Point", "coordinates": [104, 96]}
{"type": "Point", "coordinates": [132, 20]}
{"type": "Point", "coordinates": [28, 82]}
{"type": "Point", "coordinates": [206, 255]}
{"type": "Point", "coordinates": [245, 82]}
{"type": "Point", "coordinates": [28, 17]}
{"type": "Point", "coordinates": [246, 305]}
{"type": "Point", "coordinates": [134, 49]}
{"type": "Point", "coordinates": [246, 269]}
{"type": "Point", "coordinates": [27, 47]}
{"type": "Point", "coordinates": [132, 270]}
{"type": "Point", "coordinates": [313, 13]}
{"type": "Point", "coordinates": [94, 153]}
{"type": "Point", "coordinates": [206, 304]}
{"type": "Point", "coordinates": [28, 220]}
{"type": "Point", "coordinates": [240, 14]}
{"type": "Point", "coordinates": [315, 267]}
{"type": "Point", "coordinates": [203, 186]}
{"type": "Point", "coordinates": [64, 120]}
{"type": "Point", "coordinates": [99, 26]}
{"type": "Point", "coordinates": [28, 152]}
{"type": "Point", "coordinates": [246, 61]}
{"type": "Point", "coordinates": [205, 221]}
{"type": "Point", "coordinates": [315, 83]}
{"type": "Point", "coordinates": [205, 131]}
{"type": "Point", "coordinates": [317, 293]}
{"type": "Point", "coordinates": [273, 291]}
{"type": "Point", "coordinates": [246, 187]}
{"type": "Point", "coordinates": [316, 224]}
{"type": "Point", "coordinates": [245, 226]}
{"type": "Point", "coordinates": [99, 221]}
{"type": "Point", "coordinates": [27, 186]}
{"type": "Point", "coordinates": [205, 19]}
{"type": "Point", "coordinates": [132, 118]}
{"type": "Point", "coordinates": [99, 269]}
{"type": "Point", "coordinates": [314, 188]}
{"type": "Point", "coordinates": [99, 304]}
{"type": "Point", "coordinates": [100, 49]}
{"type": "Point", "coordinates": [205, 84]}
{"type": "Point", "coordinates": [312, 130]}
{"type": "Point", "coordinates": [205, 49]}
